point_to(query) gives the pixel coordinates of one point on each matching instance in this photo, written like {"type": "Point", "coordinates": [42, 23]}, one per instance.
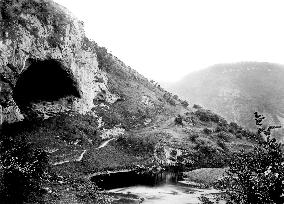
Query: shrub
{"type": "Point", "coordinates": [221, 129]}
{"type": "Point", "coordinates": [250, 135]}
{"type": "Point", "coordinates": [207, 155]}
{"type": "Point", "coordinates": [221, 144]}
{"type": "Point", "coordinates": [193, 137]}
{"type": "Point", "coordinates": [258, 176]}
{"type": "Point", "coordinates": [184, 103]}
{"type": "Point", "coordinates": [23, 171]}
{"type": "Point", "coordinates": [223, 136]}
{"type": "Point", "coordinates": [178, 120]}
{"type": "Point", "coordinates": [207, 116]}
{"type": "Point", "coordinates": [137, 145]}
{"type": "Point", "coordinates": [87, 191]}
{"type": "Point", "coordinates": [196, 106]}
{"type": "Point", "coordinates": [207, 131]}
{"type": "Point", "coordinates": [238, 135]}
{"type": "Point", "coordinates": [205, 200]}
{"type": "Point", "coordinates": [175, 97]}
{"type": "Point", "coordinates": [233, 127]}
{"type": "Point", "coordinates": [171, 101]}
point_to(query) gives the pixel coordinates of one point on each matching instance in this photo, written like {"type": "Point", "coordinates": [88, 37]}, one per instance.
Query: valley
{"type": "Point", "coordinates": [71, 112]}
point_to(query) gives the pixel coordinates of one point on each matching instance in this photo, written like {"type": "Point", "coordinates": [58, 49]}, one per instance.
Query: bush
{"type": "Point", "coordinates": [208, 155]}
{"type": "Point", "coordinates": [233, 127]}
{"type": "Point", "coordinates": [171, 101]}
{"type": "Point", "coordinates": [87, 191]}
{"type": "Point", "coordinates": [221, 128]}
{"type": "Point", "coordinates": [207, 116]}
{"type": "Point", "coordinates": [207, 131]}
{"type": "Point", "coordinates": [178, 120]}
{"type": "Point", "coordinates": [239, 136]}
{"type": "Point", "coordinates": [223, 136]}
{"type": "Point", "coordinates": [137, 145]}
{"type": "Point", "coordinates": [258, 176]}
{"type": "Point", "coordinates": [221, 144]}
{"type": "Point", "coordinates": [184, 103]}
{"type": "Point", "coordinates": [205, 200]}
{"type": "Point", "coordinates": [196, 106]}
{"type": "Point", "coordinates": [23, 171]}
{"type": "Point", "coordinates": [193, 137]}
{"type": "Point", "coordinates": [175, 97]}
{"type": "Point", "coordinates": [168, 97]}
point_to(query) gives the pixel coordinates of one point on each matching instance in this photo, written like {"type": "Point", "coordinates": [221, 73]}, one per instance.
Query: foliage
{"type": "Point", "coordinates": [209, 155]}
{"type": "Point", "coordinates": [184, 103]}
{"type": "Point", "coordinates": [223, 136]}
{"type": "Point", "coordinates": [221, 144]}
{"type": "Point", "coordinates": [205, 200]}
{"type": "Point", "coordinates": [196, 106]}
{"type": "Point", "coordinates": [221, 129]}
{"type": "Point", "coordinates": [23, 170]}
{"type": "Point", "coordinates": [137, 145]}
{"type": "Point", "coordinates": [87, 191]}
{"type": "Point", "coordinates": [234, 127]}
{"type": "Point", "coordinates": [207, 116]}
{"type": "Point", "coordinates": [257, 177]}
{"type": "Point", "coordinates": [175, 97]}
{"type": "Point", "coordinates": [178, 120]}
{"type": "Point", "coordinates": [207, 131]}
{"type": "Point", "coordinates": [193, 137]}
{"type": "Point", "coordinates": [45, 11]}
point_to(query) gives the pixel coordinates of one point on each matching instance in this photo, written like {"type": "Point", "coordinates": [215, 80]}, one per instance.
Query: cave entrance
{"type": "Point", "coordinates": [45, 80]}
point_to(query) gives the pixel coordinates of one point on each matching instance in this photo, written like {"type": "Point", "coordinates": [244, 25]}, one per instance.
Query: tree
{"type": "Point", "coordinates": [257, 177]}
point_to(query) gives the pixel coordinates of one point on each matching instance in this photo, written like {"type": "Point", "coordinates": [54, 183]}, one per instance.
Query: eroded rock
{"type": "Point", "coordinates": [46, 66]}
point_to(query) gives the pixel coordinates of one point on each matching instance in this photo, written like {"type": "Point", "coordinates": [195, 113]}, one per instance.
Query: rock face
{"type": "Point", "coordinates": [46, 66]}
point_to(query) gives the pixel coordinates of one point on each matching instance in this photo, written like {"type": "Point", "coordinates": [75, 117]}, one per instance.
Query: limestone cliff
{"type": "Point", "coordinates": [45, 65]}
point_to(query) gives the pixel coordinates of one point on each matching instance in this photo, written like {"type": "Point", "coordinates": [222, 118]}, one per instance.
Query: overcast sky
{"type": "Point", "coordinates": [167, 39]}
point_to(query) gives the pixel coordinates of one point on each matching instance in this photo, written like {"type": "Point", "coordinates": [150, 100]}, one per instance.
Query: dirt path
{"type": "Point", "coordinates": [104, 143]}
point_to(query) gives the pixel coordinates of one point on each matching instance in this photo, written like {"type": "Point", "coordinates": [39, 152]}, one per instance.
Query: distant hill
{"type": "Point", "coordinates": [237, 90]}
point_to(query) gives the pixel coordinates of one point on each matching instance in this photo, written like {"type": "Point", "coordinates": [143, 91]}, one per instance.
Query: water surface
{"type": "Point", "coordinates": [161, 188]}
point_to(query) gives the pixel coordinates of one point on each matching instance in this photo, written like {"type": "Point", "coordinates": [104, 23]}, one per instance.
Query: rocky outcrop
{"type": "Point", "coordinates": [42, 46]}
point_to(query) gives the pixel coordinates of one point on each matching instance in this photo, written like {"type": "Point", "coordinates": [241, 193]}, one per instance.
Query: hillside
{"type": "Point", "coordinates": [71, 110]}
{"type": "Point", "coordinates": [236, 91]}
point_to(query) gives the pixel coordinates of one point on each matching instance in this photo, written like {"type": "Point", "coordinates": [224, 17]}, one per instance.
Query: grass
{"type": "Point", "coordinates": [206, 176]}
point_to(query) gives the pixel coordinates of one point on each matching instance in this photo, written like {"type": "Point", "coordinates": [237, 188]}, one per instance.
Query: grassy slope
{"type": "Point", "coordinates": [207, 176]}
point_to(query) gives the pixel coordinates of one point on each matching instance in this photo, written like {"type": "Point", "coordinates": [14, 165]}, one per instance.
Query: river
{"type": "Point", "coordinates": [162, 188]}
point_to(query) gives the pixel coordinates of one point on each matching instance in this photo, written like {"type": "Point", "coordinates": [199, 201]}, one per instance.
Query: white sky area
{"type": "Point", "coordinates": [166, 39]}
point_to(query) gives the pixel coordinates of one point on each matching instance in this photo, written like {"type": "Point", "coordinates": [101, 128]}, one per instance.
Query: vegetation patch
{"type": "Point", "coordinates": [256, 176]}
{"type": "Point", "coordinates": [207, 176]}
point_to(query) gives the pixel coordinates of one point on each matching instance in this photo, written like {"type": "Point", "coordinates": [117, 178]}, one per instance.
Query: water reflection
{"type": "Point", "coordinates": [161, 188]}
{"type": "Point", "coordinates": [126, 179]}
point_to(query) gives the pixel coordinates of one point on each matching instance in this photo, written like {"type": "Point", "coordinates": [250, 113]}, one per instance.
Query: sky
{"type": "Point", "coordinates": [166, 39]}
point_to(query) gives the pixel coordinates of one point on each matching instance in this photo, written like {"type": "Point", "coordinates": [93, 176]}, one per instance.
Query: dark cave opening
{"type": "Point", "coordinates": [44, 81]}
